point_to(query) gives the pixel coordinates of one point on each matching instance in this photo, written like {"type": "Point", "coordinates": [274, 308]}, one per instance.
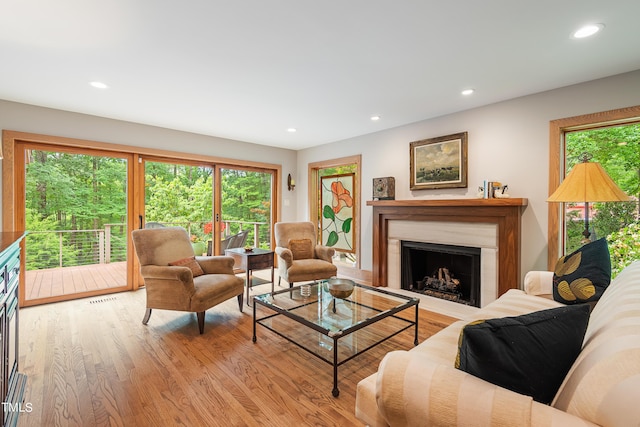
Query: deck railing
{"type": "Point", "coordinates": [68, 248]}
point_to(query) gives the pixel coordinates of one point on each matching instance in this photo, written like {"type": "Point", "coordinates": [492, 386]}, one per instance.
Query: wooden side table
{"type": "Point", "coordinates": [257, 259]}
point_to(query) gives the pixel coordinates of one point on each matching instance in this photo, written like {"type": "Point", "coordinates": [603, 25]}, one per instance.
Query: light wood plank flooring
{"type": "Point", "coordinates": [91, 362]}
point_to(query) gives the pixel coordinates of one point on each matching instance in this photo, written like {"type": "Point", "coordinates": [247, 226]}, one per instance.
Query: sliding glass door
{"type": "Point", "coordinates": [179, 194]}
{"type": "Point", "coordinates": [76, 217]}
{"type": "Point", "coordinates": [79, 201]}
{"type": "Point", "coordinates": [246, 207]}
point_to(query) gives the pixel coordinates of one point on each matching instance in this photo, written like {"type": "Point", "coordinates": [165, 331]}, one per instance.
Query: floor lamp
{"type": "Point", "coordinates": [587, 182]}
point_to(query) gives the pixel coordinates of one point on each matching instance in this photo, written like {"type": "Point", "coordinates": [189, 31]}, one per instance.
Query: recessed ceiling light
{"type": "Point", "coordinates": [99, 85]}
{"type": "Point", "coordinates": [375, 118]}
{"type": "Point", "coordinates": [587, 30]}
{"type": "Point", "coordinates": [467, 92]}
{"type": "Point", "coordinates": [292, 130]}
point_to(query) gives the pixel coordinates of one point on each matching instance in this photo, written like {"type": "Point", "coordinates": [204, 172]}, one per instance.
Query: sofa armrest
{"type": "Point", "coordinates": [539, 283]}
{"type": "Point", "coordinates": [412, 390]}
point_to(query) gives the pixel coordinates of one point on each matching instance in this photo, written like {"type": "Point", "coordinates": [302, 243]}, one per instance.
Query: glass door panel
{"type": "Point", "coordinates": [180, 195]}
{"type": "Point", "coordinates": [246, 209]}
{"type": "Point", "coordinates": [76, 217]}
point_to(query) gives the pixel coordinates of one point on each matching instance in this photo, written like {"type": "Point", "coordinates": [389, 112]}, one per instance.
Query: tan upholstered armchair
{"type": "Point", "coordinates": [300, 258]}
{"type": "Point", "coordinates": [176, 279]}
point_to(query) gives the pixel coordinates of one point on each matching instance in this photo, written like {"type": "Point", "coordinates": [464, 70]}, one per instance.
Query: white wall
{"type": "Point", "coordinates": [32, 119]}
{"type": "Point", "coordinates": [508, 142]}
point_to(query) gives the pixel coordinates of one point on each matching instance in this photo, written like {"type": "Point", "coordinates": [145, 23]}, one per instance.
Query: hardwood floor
{"type": "Point", "coordinates": [91, 362]}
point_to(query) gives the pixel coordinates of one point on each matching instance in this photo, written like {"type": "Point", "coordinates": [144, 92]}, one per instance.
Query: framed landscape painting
{"type": "Point", "coordinates": [338, 202]}
{"type": "Point", "coordinates": [439, 162]}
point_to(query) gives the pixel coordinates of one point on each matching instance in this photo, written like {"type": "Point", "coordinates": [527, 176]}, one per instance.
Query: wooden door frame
{"type": "Point", "coordinates": [557, 129]}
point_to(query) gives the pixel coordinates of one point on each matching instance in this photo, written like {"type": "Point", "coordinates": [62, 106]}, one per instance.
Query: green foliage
{"type": "Point", "coordinates": [72, 199]}
{"type": "Point", "coordinates": [617, 149]}
{"type": "Point", "coordinates": [624, 246]}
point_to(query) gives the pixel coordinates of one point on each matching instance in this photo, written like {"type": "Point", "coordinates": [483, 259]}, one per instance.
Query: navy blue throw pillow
{"type": "Point", "coordinates": [529, 354]}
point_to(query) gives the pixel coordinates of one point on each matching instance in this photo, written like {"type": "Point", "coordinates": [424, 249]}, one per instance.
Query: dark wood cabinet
{"type": "Point", "coordinates": [12, 382]}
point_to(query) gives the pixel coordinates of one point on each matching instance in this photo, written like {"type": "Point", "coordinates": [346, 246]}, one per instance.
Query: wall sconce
{"type": "Point", "coordinates": [291, 183]}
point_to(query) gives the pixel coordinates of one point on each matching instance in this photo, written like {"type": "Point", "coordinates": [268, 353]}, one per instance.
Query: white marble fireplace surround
{"type": "Point", "coordinates": [475, 235]}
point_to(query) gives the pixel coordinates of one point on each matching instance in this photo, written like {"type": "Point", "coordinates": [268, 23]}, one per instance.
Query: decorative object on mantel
{"type": "Point", "coordinates": [493, 189]}
{"type": "Point", "coordinates": [588, 182]}
{"type": "Point", "coordinates": [439, 162]}
{"type": "Point", "coordinates": [384, 188]}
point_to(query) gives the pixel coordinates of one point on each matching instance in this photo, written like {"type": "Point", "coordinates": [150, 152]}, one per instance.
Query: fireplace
{"type": "Point", "coordinates": [447, 272]}
{"type": "Point", "coordinates": [492, 225]}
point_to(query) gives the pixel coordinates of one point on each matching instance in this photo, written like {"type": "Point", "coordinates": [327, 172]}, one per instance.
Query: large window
{"type": "Point", "coordinates": [613, 139]}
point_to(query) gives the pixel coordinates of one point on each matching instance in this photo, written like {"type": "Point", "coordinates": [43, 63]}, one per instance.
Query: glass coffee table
{"type": "Point", "coordinates": [333, 329]}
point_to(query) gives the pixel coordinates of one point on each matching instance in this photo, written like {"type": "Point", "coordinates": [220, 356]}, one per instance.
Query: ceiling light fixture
{"type": "Point", "coordinates": [587, 30]}
{"type": "Point", "coordinates": [467, 92]}
{"type": "Point", "coordinates": [292, 130]}
{"type": "Point", "coordinates": [99, 85]}
{"type": "Point", "coordinates": [375, 118]}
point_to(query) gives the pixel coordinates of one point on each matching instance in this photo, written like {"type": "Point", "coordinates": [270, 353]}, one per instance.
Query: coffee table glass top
{"type": "Point", "coordinates": [335, 316]}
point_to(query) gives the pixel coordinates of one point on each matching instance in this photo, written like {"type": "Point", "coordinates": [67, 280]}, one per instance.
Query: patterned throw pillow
{"type": "Point", "coordinates": [583, 275]}
{"type": "Point", "coordinates": [301, 248]}
{"type": "Point", "coordinates": [529, 354]}
{"type": "Point", "coordinates": [191, 263]}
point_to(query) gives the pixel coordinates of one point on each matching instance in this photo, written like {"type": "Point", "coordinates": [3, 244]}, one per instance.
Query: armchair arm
{"type": "Point", "coordinates": [168, 287]}
{"type": "Point", "coordinates": [538, 283]}
{"type": "Point", "coordinates": [285, 254]}
{"type": "Point", "coordinates": [324, 253]}
{"type": "Point", "coordinates": [412, 390]}
{"type": "Point", "coordinates": [166, 272]}
{"type": "Point", "coordinates": [220, 264]}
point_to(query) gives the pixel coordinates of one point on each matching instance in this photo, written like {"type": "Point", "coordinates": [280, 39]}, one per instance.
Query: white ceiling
{"type": "Point", "coordinates": [250, 69]}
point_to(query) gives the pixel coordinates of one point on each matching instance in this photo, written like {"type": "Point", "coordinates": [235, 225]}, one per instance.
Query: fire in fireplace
{"type": "Point", "coordinates": [442, 271]}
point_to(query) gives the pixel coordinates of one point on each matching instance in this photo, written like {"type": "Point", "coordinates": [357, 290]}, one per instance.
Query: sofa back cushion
{"type": "Point", "coordinates": [603, 385]}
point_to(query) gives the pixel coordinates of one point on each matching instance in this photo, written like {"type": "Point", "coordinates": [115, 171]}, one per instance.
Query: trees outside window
{"type": "Point", "coordinates": [617, 149]}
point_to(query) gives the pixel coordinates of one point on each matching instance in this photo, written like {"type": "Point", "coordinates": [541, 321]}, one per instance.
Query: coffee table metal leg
{"type": "Point", "coordinates": [335, 392]}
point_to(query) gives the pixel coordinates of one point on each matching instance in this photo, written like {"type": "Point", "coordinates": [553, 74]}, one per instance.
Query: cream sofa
{"type": "Point", "coordinates": [421, 387]}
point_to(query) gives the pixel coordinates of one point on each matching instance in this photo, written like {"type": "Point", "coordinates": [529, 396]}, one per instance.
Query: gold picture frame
{"type": "Point", "coordinates": [439, 162]}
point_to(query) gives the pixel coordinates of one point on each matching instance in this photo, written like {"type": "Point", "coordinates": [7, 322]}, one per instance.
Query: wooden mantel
{"type": "Point", "coordinates": [506, 213]}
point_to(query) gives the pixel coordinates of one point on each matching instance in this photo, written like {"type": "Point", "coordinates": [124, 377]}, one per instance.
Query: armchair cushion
{"type": "Point", "coordinates": [301, 248]}
{"type": "Point", "coordinates": [191, 263]}
{"type": "Point", "coordinates": [529, 354]}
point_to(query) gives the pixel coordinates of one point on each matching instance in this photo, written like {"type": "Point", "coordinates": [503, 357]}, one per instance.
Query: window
{"type": "Point", "coordinates": [613, 139]}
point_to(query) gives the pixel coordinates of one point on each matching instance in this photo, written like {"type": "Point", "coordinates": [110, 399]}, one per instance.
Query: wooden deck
{"type": "Point", "coordinates": [55, 282]}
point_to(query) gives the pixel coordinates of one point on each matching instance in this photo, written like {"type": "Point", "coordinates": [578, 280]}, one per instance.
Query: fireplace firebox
{"type": "Point", "coordinates": [443, 271]}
